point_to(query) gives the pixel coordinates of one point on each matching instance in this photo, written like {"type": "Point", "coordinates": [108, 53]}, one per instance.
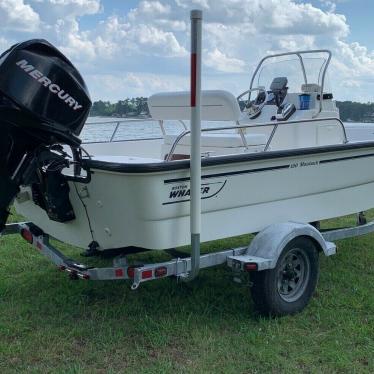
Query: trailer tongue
{"type": "Point", "coordinates": [43, 102]}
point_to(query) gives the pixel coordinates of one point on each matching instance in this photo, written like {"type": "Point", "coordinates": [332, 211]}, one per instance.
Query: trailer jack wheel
{"type": "Point", "coordinates": [288, 287]}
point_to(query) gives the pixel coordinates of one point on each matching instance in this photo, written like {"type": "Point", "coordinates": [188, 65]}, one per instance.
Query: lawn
{"type": "Point", "coordinates": [49, 323]}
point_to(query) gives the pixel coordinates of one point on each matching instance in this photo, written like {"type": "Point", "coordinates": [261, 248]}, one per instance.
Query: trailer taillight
{"type": "Point", "coordinates": [119, 273]}
{"type": "Point", "coordinates": [146, 274]}
{"type": "Point", "coordinates": [250, 266]}
{"type": "Point", "coordinates": [27, 235]}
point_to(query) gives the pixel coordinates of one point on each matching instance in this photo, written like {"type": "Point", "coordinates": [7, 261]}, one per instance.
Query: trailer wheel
{"type": "Point", "coordinates": [288, 287]}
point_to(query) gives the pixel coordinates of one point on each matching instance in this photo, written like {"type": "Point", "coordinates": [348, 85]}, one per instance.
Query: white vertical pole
{"type": "Point", "coordinates": [195, 161]}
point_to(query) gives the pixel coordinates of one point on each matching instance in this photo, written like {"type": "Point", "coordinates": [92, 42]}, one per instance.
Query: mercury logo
{"type": "Point", "coordinates": [46, 82]}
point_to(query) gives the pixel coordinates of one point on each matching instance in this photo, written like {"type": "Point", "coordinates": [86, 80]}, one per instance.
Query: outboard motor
{"type": "Point", "coordinates": [44, 104]}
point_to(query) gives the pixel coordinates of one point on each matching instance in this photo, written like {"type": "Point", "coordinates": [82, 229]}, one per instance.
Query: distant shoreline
{"type": "Point", "coordinates": [137, 108]}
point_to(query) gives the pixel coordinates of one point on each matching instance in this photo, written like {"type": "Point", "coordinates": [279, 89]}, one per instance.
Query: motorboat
{"type": "Point", "coordinates": [277, 153]}
{"type": "Point", "coordinates": [273, 164]}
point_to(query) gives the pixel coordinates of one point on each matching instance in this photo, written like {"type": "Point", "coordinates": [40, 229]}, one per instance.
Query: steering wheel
{"type": "Point", "coordinates": [254, 107]}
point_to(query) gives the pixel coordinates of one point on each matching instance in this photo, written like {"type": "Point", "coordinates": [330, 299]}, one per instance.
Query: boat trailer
{"type": "Point", "coordinates": [261, 254]}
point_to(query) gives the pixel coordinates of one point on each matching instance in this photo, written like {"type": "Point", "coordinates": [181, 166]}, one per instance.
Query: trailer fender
{"type": "Point", "coordinates": [269, 243]}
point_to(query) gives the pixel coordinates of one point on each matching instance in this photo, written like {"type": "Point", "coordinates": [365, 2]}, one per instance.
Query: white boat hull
{"type": "Point", "coordinates": [146, 209]}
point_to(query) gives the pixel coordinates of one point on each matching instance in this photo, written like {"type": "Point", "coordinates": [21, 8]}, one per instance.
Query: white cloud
{"type": "Point", "coordinates": [357, 57]}
{"type": "Point", "coordinates": [114, 87]}
{"type": "Point", "coordinates": [50, 10]}
{"type": "Point", "coordinates": [4, 43]}
{"type": "Point", "coordinates": [117, 39]}
{"type": "Point", "coordinates": [157, 42]}
{"type": "Point", "coordinates": [285, 16]}
{"type": "Point", "coordinates": [185, 4]}
{"type": "Point", "coordinates": [293, 43]}
{"type": "Point", "coordinates": [219, 61]}
{"type": "Point", "coordinates": [173, 25]}
{"type": "Point", "coordinates": [17, 16]}
{"type": "Point", "coordinates": [330, 5]}
{"type": "Point", "coordinates": [148, 45]}
{"type": "Point", "coordinates": [149, 9]}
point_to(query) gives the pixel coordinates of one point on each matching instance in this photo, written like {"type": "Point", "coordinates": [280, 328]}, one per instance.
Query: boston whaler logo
{"type": "Point", "coordinates": [181, 192]}
{"type": "Point", "coordinates": [46, 82]}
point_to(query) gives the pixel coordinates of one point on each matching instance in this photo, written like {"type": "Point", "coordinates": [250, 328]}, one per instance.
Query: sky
{"type": "Point", "coordinates": [129, 48]}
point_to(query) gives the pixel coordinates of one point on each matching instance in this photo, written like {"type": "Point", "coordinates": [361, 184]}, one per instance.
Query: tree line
{"type": "Point", "coordinates": [356, 112]}
{"type": "Point", "coordinates": [133, 107]}
{"type": "Point", "coordinates": [137, 107]}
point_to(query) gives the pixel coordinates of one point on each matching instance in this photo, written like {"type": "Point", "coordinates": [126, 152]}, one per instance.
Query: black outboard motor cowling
{"type": "Point", "coordinates": [43, 102]}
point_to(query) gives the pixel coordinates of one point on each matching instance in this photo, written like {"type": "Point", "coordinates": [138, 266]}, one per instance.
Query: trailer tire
{"type": "Point", "coordinates": [288, 287]}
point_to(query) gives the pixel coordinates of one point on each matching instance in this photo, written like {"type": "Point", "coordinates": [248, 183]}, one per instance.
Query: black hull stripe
{"type": "Point", "coordinates": [346, 158]}
{"type": "Point", "coordinates": [167, 181]}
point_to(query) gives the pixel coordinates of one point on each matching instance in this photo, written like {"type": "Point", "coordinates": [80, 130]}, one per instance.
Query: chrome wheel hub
{"type": "Point", "coordinates": [293, 275]}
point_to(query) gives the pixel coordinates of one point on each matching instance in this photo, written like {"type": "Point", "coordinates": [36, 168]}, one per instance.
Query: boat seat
{"type": "Point", "coordinates": [220, 140]}
{"type": "Point", "coordinates": [216, 105]}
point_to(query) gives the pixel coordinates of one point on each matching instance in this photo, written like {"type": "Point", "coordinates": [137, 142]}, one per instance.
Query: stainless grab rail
{"type": "Point", "coordinates": [121, 121]}
{"type": "Point", "coordinates": [114, 132]}
{"type": "Point", "coordinates": [276, 125]}
{"type": "Point", "coordinates": [133, 120]}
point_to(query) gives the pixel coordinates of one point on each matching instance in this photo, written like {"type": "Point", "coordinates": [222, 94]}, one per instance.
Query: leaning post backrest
{"type": "Point", "coordinates": [216, 105]}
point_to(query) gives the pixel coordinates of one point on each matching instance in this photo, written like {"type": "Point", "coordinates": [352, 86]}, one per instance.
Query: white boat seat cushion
{"type": "Point", "coordinates": [216, 105]}
{"type": "Point", "coordinates": [220, 140]}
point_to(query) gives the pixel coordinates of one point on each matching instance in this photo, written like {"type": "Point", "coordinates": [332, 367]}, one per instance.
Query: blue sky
{"type": "Point", "coordinates": [133, 48]}
{"type": "Point", "coordinates": [359, 14]}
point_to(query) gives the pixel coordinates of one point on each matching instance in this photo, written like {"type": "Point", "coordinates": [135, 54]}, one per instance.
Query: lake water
{"type": "Point", "coordinates": [102, 128]}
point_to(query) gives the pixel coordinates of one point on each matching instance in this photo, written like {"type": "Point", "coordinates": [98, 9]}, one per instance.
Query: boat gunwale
{"type": "Point", "coordinates": [175, 165]}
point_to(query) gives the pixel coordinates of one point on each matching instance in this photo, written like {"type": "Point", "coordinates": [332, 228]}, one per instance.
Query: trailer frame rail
{"type": "Point", "coordinates": [238, 259]}
{"type": "Point", "coordinates": [121, 269]}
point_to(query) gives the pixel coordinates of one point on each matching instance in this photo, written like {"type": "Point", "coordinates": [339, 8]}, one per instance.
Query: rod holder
{"type": "Point", "coordinates": [195, 158]}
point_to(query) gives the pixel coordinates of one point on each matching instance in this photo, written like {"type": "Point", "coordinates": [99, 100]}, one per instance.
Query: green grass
{"type": "Point", "coordinates": [51, 324]}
